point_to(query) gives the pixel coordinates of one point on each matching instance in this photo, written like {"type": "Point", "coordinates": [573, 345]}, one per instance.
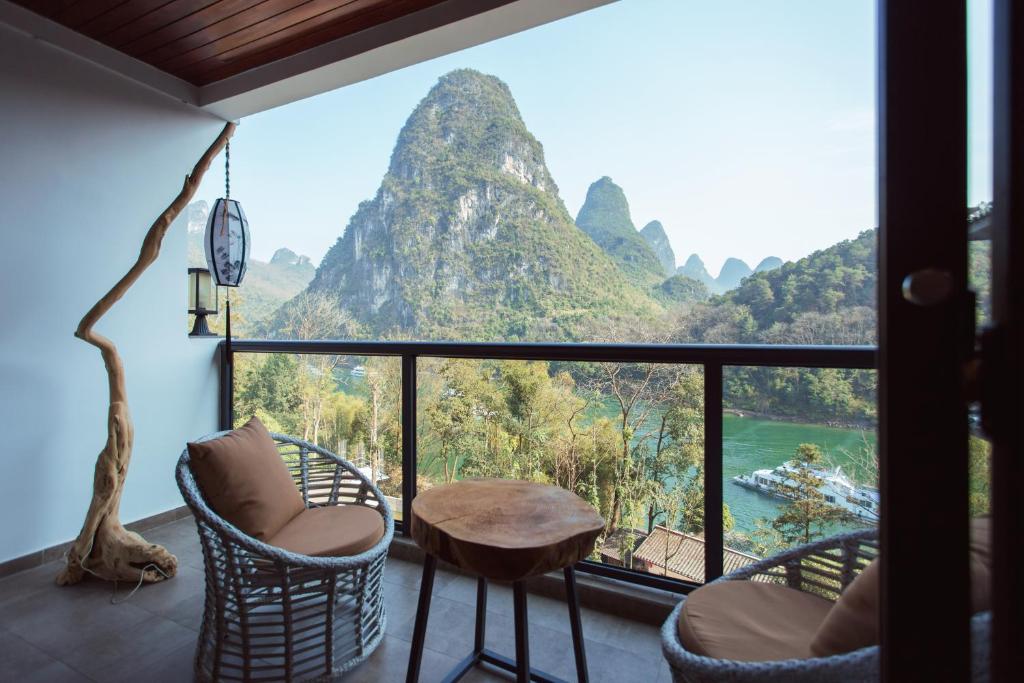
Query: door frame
{"type": "Point", "coordinates": [922, 429]}
{"type": "Point", "coordinates": [1003, 367]}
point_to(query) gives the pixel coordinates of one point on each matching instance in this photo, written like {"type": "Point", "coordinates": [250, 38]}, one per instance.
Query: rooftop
{"type": "Point", "coordinates": [679, 555]}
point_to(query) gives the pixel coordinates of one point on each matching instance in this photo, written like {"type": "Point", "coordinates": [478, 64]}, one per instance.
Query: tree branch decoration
{"type": "Point", "coordinates": [104, 548]}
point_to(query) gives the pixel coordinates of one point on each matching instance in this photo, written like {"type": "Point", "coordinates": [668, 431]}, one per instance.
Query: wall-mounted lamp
{"type": "Point", "coordinates": [202, 300]}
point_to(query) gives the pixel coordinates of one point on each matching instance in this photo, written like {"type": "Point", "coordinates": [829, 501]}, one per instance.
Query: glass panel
{"type": "Point", "coordinates": [979, 191]}
{"type": "Point", "coordinates": [800, 459]}
{"type": "Point", "coordinates": [349, 405]}
{"type": "Point", "coordinates": [628, 438]}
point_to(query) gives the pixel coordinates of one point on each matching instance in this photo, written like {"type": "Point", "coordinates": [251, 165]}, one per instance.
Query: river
{"type": "Point", "coordinates": [750, 444]}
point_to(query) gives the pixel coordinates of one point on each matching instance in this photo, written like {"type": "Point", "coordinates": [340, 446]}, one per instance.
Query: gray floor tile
{"type": "Point", "coordinates": [113, 654]}
{"type": "Point", "coordinates": [28, 582]}
{"type": "Point", "coordinates": [181, 539]}
{"type": "Point", "coordinates": [20, 661]}
{"type": "Point", "coordinates": [50, 633]}
{"type": "Point", "coordinates": [165, 597]}
{"type": "Point", "coordinates": [188, 612]}
{"type": "Point", "coordinates": [175, 667]}
{"type": "Point", "coordinates": [486, 674]}
{"type": "Point", "coordinates": [409, 575]}
{"type": "Point", "coordinates": [463, 589]}
{"type": "Point", "coordinates": [449, 627]}
{"type": "Point", "coordinates": [390, 661]}
{"type": "Point", "coordinates": [58, 619]}
{"type": "Point", "coordinates": [610, 664]}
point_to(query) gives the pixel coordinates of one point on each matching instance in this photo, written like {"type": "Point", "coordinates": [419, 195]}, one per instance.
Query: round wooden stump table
{"type": "Point", "coordinates": [502, 530]}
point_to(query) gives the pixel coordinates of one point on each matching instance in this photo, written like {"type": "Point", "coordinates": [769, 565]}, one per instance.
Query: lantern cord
{"type": "Point", "coordinates": [227, 325]}
{"type": "Point", "coordinates": [227, 170]}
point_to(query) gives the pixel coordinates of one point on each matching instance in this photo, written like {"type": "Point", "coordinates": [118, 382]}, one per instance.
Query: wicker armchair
{"type": "Point", "coordinates": [273, 615]}
{"type": "Point", "coordinates": [824, 568]}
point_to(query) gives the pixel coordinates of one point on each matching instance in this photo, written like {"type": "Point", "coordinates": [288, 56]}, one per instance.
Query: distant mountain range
{"type": "Point", "coordinates": [733, 272]}
{"type": "Point", "coordinates": [467, 237]}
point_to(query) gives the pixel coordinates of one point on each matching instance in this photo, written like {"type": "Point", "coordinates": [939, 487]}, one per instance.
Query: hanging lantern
{"type": "Point", "coordinates": [227, 235]}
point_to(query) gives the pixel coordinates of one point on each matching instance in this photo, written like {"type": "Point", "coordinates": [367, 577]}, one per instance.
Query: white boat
{"type": "Point", "coordinates": [838, 489]}
{"type": "Point", "coordinates": [358, 371]}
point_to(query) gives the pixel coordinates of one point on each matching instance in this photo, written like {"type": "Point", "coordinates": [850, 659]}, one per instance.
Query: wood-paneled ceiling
{"type": "Point", "coordinates": [204, 41]}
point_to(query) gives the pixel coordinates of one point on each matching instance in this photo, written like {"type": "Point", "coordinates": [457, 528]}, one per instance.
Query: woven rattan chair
{"type": "Point", "coordinates": [273, 615]}
{"type": "Point", "coordinates": [824, 568]}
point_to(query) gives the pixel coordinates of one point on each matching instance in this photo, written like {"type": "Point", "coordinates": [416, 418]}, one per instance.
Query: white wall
{"type": "Point", "coordinates": [87, 162]}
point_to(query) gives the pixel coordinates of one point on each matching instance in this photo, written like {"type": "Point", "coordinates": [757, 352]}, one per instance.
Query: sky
{"type": "Point", "coordinates": [747, 127]}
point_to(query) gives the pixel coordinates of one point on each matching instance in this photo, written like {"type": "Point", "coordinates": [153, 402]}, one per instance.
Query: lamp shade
{"type": "Point", "coordinates": [202, 295]}
{"type": "Point", "coordinates": [227, 242]}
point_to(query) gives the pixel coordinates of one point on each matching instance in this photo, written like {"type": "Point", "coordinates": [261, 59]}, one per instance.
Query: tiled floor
{"type": "Point", "coordinates": [52, 634]}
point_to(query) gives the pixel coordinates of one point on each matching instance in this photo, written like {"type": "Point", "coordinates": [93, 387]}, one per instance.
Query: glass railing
{"type": "Point", "coordinates": [683, 449]}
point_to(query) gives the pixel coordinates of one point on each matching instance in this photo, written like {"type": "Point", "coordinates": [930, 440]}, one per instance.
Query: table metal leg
{"type": "Point", "coordinates": [572, 599]}
{"type": "Point", "coordinates": [522, 632]}
{"type": "Point", "coordinates": [481, 616]}
{"type": "Point", "coordinates": [419, 633]}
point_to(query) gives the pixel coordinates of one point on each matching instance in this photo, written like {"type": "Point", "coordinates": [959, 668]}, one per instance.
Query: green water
{"type": "Point", "coordinates": [750, 444]}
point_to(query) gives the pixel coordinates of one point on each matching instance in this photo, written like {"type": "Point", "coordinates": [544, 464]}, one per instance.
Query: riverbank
{"type": "Point", "coordinates": [835, 424]}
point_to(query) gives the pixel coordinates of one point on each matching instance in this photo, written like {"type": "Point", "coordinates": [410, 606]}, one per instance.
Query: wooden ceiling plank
{"type": "Point", "coordinates": [187, 25]}
{"type": "Point", "coordinates": [308, 11]}
{"type": "Point", "coordinates": [125, 13]}
{"type": "Point", "coordinates": [167, 15]}
{"type": "Point", "coordinates": [82, 12]}
{"type": "Point", "coordinates": [46, 8]}
{"type": "Point", "coordinates": [219, 29]}
{"type": "Point", "coordinates": [299, 39]}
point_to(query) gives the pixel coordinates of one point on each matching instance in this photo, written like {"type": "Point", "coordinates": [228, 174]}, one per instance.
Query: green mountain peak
{"type": "Point", "coordinates": [467, 237]}
{"type": "Point", "coordinates": [654, 234]}
{"type": "Point", "coordinates": [605, 218]}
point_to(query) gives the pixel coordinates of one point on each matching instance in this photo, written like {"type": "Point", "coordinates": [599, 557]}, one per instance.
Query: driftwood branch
{"type": "Point", "coordinates": [104, 548]}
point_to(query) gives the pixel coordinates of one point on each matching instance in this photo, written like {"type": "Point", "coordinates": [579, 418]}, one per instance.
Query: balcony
{"type": "Point", "coordinates": [96, 140]}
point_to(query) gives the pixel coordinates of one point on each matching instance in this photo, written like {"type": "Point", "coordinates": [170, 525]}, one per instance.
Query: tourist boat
{"type": "Point", "coordinates": [838, 489]}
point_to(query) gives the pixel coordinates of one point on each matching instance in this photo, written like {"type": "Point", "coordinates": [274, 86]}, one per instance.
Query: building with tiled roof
{"type": "Point", "coordinates": [666, 552]}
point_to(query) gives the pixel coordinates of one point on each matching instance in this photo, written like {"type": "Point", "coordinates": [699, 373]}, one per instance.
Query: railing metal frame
{"type": "Point", "coordinates": [712, 357]}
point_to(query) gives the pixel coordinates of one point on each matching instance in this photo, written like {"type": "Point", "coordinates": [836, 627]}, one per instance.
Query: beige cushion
{"type": "Point", "coordinates": [244, 480]}
{"type": "Point", "coordinates": [853, 622]}
{"type": "Point", "coordinates": [750, 621]}
{"type": "Point", "coordinates": [333, 531]}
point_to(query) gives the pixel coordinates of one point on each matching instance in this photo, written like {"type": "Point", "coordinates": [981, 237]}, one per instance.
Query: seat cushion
{"type": "Point", "coordinates": [750, 621]}
{"type": "Point", "coordinates": [245, 481]}
{"type": "Point", "coordinates": [853, 622]}
{"type": "Point", "coordinates": [332, 531]}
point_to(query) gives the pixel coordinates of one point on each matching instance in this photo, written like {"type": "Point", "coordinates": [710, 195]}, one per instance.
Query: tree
{"type": "Point", "coordinates": [979, 464]}
{"type": "Point", "coordinates": [380, 420]}
{"type": "Point", "coordinates": [268, 386]}
{"type": "Point", "coordinates": [807, 515]}
{"type": "Point", "coordinates": [315, 315]}
{"type": "Point", "coordinates": [455, 416]}
{"type": "Point", "coordinates": [637, 390]}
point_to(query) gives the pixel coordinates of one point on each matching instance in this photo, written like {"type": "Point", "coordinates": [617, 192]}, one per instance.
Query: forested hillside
{"type": "Point", "coordinates": [825, 298]}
